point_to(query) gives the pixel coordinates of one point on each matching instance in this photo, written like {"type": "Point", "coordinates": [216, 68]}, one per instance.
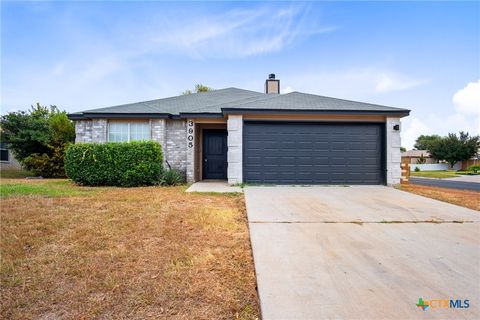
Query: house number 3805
{"type": "Point", "coordinates": [190, 134]}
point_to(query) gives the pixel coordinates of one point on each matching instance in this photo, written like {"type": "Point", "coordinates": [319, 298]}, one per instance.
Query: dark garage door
{"type": "Point", "coordinates": [313, 153]}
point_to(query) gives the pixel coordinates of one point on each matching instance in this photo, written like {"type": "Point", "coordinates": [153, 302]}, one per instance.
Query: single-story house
{"type": "Point", "coordinates": [414, 156]}
{"type": "Point", "coordinates": [260, 137]}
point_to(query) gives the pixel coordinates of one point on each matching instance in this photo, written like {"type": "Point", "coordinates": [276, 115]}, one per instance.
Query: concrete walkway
{"type": "Point", "coordinates": [361, 253]}
{"type": "Point", "coordinates": [219, 186]}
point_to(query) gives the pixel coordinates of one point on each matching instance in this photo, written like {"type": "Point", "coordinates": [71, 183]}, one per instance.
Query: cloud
{"type": "Point", "coordinates": [464, 116]}
{"type": "Point", "coordinates": [237, 33]}
{"type": "Point", "coordinates": [413, 129]}
{"type": "Point", "coordinates": [389, 82]}
{"type": "Point", "coordinates": [467, 100]}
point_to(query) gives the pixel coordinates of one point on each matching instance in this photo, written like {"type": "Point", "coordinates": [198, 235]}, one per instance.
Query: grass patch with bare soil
{"type": "Point", "coordinates": [43, 188]}
{"type": "Point", "coordinates": [439, 174]}
{"type": "Point", "coordinates": [124, 253]}
{"type": "Point", "coordinates": [464, 198]}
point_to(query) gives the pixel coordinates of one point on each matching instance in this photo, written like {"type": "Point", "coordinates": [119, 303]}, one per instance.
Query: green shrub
{"type": "Point", "coordinates": [125, 164]}
{"type": "Point", "coordinates": [171, 178]}
{"type": "Point", "coordinates": [47, 165]}
{"type": "Point", "coordinates": [417, 169]}
{"type": "Point", "coordinates": [474, 168]}
{"type": "Point", "coordinates": [38, 138]}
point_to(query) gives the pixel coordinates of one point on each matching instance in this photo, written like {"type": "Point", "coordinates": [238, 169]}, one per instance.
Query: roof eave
{"type": "Point", "coordinates": [98, 115]}
{"type": "Point", "coordinates": [397, 113]}
{"type": "Point", "coordinates": [185, 115]}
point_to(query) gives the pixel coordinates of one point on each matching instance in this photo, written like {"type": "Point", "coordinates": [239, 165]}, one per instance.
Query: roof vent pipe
{"type": "Point", "coordinates": [272, 85]}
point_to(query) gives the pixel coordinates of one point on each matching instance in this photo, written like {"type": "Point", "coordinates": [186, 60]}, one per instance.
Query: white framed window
{"type": "Point", "coordinates": [121, 131]}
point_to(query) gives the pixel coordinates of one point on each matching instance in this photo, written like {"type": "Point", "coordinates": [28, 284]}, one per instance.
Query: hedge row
{"type": "Point", "coordinates": [125, 164]}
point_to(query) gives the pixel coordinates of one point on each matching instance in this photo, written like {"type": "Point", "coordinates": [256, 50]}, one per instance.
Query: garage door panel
{"type": "Point", "coordinates": [314, 153]}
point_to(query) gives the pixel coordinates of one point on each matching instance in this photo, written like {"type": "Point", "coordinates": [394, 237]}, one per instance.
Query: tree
{"type": "Point", "coordinates": [455, 148]}
{"type": "Point", "coordinates": [403, 149]}
{"type": "Point", "coordinates": [198, 88]}
{"type": "Point", "coordinates": [421, 159]}
{"type": "Point", "coordinates": [38, 138]}
{"type": "Point", "coordinates": [424, 142]}
{"type": "Point", "coordinates": [26, 132]}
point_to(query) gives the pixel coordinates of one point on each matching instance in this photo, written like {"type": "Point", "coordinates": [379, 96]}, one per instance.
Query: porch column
{"type": "Point", "coordinates": [393, 150]}
{"type": "Point", "coordinates": [190, 151]}
{"type": "Point", "coordinates": [235, 149]}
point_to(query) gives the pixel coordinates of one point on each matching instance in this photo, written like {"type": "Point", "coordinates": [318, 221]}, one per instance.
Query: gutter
{"type": "Point", "coordinates": [226, 111]}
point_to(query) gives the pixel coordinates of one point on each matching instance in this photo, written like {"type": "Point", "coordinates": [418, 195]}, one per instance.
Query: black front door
{"type": "Point", "coordinates": [214, 154]}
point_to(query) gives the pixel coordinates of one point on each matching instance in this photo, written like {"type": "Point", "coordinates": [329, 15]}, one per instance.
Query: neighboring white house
{"type": "Point", "coordinates": [7, 160]}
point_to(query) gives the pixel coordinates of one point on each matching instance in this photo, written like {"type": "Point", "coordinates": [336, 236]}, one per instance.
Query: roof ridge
{"type": "Point", "coordinates": [262, 97]}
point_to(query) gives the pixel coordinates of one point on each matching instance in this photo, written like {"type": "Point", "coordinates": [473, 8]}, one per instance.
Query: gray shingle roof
{"type": "Point", "coordinates": [218, 101]}
{"type": "Point", "coordinates": [183, 103]}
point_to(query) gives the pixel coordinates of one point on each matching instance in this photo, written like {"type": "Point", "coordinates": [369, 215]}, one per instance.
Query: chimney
{"type": "Point", "coordinates": [272, 85]}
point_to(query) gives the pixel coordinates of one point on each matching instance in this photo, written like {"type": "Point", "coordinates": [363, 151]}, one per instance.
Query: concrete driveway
{"type": "Point", "coordinates": [361, 252]}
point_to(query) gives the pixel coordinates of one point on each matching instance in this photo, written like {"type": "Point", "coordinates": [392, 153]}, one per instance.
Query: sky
{"type": "Point", "coordinates": [424, 56]}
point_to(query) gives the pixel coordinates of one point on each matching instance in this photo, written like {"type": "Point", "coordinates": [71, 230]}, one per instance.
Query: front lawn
{"type": "Point", "coordinates": [81, 253]}
{"type": "Point", "coordinates": [434, 174]}
{"type": "Point", "coordinates": [464, 198]}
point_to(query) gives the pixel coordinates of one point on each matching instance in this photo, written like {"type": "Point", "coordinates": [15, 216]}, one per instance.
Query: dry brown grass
{"type": "Point", "coordinates": [126, 253]}
{"type": "Point", "coordinates": [464, 198]}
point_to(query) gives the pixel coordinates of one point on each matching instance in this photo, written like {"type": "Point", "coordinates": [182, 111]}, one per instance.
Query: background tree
{"type": "Point", "coordinates": [403, 149]}
{"type": "Point", "coordinates": [198, 88]}
{"type": "Point", "coordinates": [38, 138]}
{"type": "Point", "coordinates": [424, 142]}
{"type": "Point", "coordinates": [455, 148]}
{"type": "Point", "coordinates": [26, 132]}
{"type": "Point", "coordinates": [421, 159]}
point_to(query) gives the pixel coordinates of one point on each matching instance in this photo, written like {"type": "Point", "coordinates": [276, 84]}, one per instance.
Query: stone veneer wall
{"type": "Point", "coordinates": [83, 131]}
{"type": "Point", "coordinates": [159, 133]}
{"type": "Point", "coordinates": [91, 130]}
{"type": "Point", "coordinates": [99, 130]}
{"type": "Point", "coordinates": [176, 146]}
{"type": "Point", "coordinates": [393, 151]}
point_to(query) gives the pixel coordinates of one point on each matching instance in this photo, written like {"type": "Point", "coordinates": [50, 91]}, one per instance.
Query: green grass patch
{"type": "Point", "coordinates": [440, 174]}
{"type": "Point", "coordinates": [57, 188]}
{"type": "Point", "coordinates": [468, 173]}
{"type": "Point", "coordinates": [15, 174]}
